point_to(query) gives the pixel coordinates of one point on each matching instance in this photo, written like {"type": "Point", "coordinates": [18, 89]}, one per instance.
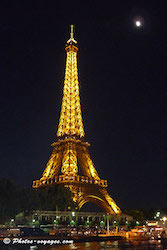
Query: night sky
{"type": "Point", "coordinates": [123, 89]}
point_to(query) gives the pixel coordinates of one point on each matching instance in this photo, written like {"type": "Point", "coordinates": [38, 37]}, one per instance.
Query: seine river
{"type": "Point", "coordinates": [106, 245]}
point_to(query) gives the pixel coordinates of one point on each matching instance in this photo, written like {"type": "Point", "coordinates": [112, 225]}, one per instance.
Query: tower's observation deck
{"type": "Point", "coordinates": [70, 151]}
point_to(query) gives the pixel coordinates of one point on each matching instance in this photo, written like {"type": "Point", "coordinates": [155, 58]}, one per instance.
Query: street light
{"type": "Point", "coordinates": [137, 223]}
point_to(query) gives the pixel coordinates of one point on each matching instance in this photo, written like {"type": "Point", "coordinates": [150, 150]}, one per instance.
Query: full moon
{"type": "Point", "coordinates": [138, 23]}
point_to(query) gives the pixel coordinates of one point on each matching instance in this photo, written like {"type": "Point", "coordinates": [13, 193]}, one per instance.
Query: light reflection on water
{"type": "Point", "coordinates": [105, 245]}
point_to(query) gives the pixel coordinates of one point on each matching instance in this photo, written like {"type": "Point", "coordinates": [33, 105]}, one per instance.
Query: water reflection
{"type": "Point", "coordinates": [105, 245]}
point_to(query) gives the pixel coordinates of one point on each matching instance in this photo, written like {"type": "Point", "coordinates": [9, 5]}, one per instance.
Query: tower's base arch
{"type": "Point", "coordinates": [84, 193]}
{"type": "Point", "coordinates": [96, 200]}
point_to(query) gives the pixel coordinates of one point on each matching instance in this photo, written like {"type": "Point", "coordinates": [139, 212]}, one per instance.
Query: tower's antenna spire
{"type": "Point", "coordinates": [72, 31]}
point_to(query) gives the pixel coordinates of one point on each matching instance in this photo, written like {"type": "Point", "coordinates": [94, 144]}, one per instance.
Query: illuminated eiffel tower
{"type": "Point", "coordinates": [70, 151]}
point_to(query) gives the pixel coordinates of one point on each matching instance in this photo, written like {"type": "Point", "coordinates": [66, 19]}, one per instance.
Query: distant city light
{"type": "Point", "coordinates": [73, 213]}
{"type": "Point", "coordinates": [157, 215]}
{"type": "Point", "coordinates": [164, 219]}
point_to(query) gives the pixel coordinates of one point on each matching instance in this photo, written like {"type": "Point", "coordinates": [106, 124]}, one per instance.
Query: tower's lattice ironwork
{"type": "Point", "coordinates": [70, 151]}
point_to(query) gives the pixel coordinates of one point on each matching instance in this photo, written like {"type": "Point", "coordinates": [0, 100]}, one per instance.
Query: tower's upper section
{"type": "Point", "coordinates": [70, 123]}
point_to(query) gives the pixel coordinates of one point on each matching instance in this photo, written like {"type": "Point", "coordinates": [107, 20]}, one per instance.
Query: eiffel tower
{"type": "Point", "coordinates": [70, 151]}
